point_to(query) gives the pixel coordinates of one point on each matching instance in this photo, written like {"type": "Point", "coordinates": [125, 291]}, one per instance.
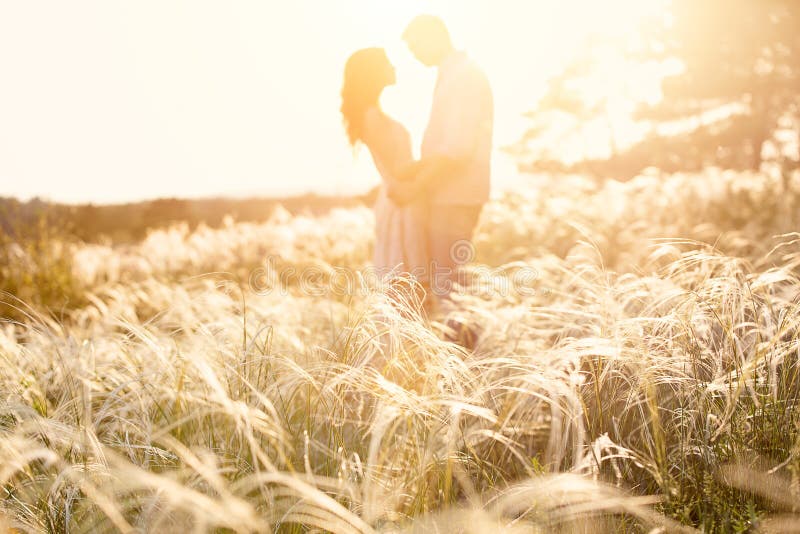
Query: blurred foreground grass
{"type": "Point", "coordinates": [201, 380]}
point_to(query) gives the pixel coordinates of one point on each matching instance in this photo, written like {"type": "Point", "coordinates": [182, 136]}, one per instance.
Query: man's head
{"type": "Point", "coordinates": [428, 39]}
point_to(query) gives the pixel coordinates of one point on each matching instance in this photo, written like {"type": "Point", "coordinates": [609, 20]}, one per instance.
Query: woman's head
{"type": "Point", "coordinates": [366, 74]}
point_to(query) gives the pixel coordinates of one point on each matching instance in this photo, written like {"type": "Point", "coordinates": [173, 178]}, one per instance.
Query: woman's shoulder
{"type": "Point", "coordinates": [378, 124]}
{"type": "Point", "coordinates": [397, 129]}
{"type": "Point", "coordinates": [374, 124]}
{"type": "Point", "coordinates": [373, 116]}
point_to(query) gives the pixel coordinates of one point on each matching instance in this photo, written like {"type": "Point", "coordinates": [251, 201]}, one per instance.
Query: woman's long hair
{"type": "Point", "coordinates": [365, 76]}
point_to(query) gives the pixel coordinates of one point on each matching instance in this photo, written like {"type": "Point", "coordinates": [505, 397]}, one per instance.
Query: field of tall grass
{"type": "Point", "coordinates": [642, 376]}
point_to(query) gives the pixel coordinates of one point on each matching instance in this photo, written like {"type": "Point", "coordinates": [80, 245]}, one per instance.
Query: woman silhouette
{"type": "Point", "coordinates": [400, 243]}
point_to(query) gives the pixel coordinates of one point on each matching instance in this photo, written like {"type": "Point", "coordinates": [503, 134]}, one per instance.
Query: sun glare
{"type": "Point", "coordinates": [197, 86]}
{"type": "Point", "coordinates": [522, 44]}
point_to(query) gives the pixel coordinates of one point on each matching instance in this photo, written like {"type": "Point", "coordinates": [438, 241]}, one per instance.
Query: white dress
{"type": "Point", "coordinates": [401, 244]}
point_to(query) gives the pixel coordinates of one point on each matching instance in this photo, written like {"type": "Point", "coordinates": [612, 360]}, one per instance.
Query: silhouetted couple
{"type": "Point", "coordinates": [427, 210]}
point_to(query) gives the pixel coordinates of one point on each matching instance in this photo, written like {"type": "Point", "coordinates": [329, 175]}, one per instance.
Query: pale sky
{"type": "Point", "coordinates": [111, 100]}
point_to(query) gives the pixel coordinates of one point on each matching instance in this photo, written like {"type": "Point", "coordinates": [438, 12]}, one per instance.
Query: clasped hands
{"type": "Point", "coordinates": [418, 177]}
{"type": "Point", "coordinates": [406, 187]}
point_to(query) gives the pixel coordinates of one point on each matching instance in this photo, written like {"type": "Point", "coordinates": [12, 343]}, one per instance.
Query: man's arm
{"type": "Point", "coordinates": [468, 114]}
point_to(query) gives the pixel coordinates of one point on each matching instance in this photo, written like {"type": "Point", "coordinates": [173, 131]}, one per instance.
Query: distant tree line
{"type": "Point", "coordinates": [23, 221]}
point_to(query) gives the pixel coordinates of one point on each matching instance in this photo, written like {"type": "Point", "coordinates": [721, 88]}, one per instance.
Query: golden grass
{"type": "Point", "coordinates": [645, 378]}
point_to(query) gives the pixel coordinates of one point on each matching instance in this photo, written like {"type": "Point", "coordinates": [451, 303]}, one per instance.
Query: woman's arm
{"type": "Point", "coordinates": [416, 178]}
{"type": "Point", "coordinates": [390, 150]}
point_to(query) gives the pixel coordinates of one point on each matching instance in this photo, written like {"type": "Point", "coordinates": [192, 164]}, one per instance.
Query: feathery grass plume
{"type": "Point", "coordinates": [623, 355]}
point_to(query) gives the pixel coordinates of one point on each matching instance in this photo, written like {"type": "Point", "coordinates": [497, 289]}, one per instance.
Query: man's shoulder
{"type": "Point", "coordinates": [470, 69]}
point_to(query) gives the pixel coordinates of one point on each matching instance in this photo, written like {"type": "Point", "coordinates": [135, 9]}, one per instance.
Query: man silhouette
{"type": "Point", "coordinates": [454, 170]}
